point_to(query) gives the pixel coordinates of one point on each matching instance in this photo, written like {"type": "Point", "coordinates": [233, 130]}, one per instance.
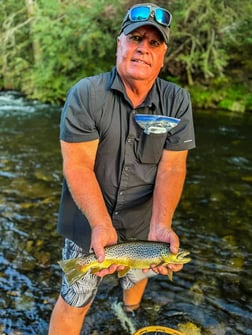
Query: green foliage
{"type": "Point", "coordinates": [47, 45]}
{"type": "Point", "coordinates": [66, 41]}
{"type": "Point", "coordinates": [200, 32]}
{"type": "Point", "coordinates": [220, 95]}
{"type": "Point", "coordinates": [80, 43]}
{"type": "Point", "coordinates": [236, 99]}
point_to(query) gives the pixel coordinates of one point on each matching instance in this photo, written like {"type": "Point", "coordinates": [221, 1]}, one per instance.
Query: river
{"type": "Point", "coordinates": [211, 296]}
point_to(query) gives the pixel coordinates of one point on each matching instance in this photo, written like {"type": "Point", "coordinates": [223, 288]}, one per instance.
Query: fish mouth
{"type": "Point", "coordinates": [182, 256]}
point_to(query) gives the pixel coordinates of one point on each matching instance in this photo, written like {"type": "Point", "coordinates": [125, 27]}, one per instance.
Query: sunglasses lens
{"type": "Point", "coordinates": [139, 13]}
{"type": "Point", "coordinates": [143, 13]}
{"type": "Point", "coordinates": [163, 17]}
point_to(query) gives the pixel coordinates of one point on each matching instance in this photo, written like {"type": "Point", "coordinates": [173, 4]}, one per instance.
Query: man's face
{"type": "Point", "coordinates": [140, 54]}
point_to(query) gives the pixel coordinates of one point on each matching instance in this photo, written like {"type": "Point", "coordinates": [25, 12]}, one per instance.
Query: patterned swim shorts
{"type": "Point", "coordinates": [83, 291]}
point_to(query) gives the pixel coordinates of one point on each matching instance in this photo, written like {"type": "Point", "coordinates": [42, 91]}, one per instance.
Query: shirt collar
{"type": "Point", "coordinates": [151, 99]}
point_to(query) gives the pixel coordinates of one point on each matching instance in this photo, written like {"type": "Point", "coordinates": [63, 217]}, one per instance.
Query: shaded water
{"type": "Point", "coordinates": [212, 295]}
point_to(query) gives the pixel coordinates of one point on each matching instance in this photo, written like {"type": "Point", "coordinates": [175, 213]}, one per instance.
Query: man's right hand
{"type": "Point", "coordinates": [103, 236]}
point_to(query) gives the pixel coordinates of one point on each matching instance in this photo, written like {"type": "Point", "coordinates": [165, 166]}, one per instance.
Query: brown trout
{"type": "Point", "coordinates": [132, 255]}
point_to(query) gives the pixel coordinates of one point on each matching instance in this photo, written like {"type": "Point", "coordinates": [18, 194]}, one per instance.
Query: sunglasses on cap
{"type": "Point", "coordinates": [143, 13]}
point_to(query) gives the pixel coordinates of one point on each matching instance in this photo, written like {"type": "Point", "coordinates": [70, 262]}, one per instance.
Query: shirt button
{"type": "Point", "coordinates": [116, 213]}
{"type": "Point", "coordinates": [121, 193]}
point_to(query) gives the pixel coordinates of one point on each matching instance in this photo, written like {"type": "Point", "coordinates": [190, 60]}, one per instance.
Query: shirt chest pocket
{"type": "Point", "coordinates": [151, 135]}
{"type": "Point", "coordinates": [149, 147]}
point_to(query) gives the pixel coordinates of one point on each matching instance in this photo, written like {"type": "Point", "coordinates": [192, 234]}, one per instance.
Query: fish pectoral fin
{"type": "Point", "coordinates": [95, 270]}
{"type": "Point", "coordinates": [170, 274]}
{"type": "Point", "coordinates": [169, 271]}
{"type": "Point", "coordinates": [123, 272]}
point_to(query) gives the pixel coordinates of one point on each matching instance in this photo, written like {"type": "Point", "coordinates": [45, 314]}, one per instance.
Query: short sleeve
{"type": "Point", "coordinates": [182, 136]}
{"type": "Point", "coordinates": [77, 119]}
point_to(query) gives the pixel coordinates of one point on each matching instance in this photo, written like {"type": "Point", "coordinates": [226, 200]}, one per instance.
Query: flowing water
{"type": "Point", "coordinates": [212, 295]}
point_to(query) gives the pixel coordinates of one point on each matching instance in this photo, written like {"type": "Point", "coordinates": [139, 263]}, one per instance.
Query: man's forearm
{"type": "Point", "coordinates": [168, 189]}
{"type": "Point", "coordinates": [78, 169]}
{"type": "Point", "coordinates": [87, 195]}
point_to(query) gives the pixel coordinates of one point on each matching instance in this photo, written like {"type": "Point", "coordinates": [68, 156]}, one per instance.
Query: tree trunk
{"type": "Point", "coordinates": [31, 7]}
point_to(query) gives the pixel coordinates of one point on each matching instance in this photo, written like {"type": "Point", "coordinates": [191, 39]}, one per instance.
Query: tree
{"type": "Point", "coordinates": [31, 7]}
{"type": "Point", "coordinates": [13, 21]}
{"type": "Point", "coordinates": [199, 39]}
{"type": "Point", "coordinates": [47, 45]}
{"type": "Point", "coordinates": [58, 42]}
{"type": "Point", "coordinates": [77, 39]}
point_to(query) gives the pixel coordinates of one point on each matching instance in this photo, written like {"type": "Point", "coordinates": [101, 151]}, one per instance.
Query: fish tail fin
{"type": "Point", "coordinates": [72, 270]}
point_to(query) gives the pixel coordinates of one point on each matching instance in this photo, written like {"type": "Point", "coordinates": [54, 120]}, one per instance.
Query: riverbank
{"type": "Point", "coordinates": [236, 98]}
{"type": "Point", "coordinates": [216, 96]}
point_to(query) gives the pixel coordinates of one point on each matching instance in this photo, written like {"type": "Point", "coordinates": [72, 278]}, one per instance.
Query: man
{"type": "Point", "coordinates": [116, 186]}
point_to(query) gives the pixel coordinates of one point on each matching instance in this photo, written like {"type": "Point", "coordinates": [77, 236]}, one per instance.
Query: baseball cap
{"type": "Point", "coordinates": [147, 14]}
